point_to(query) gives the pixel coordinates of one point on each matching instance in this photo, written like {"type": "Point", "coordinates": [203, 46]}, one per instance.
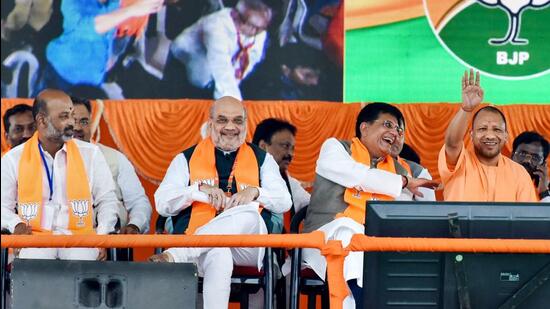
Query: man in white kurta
{"type": "Point", "coordinates": [134, 209]}
{"type": "Point", "coordinates": [378, 127]}
{"type": "Point", "coordinates": [238, 214]}
{"type": "Point", "coordinates": [53, 130]}
{"type": "Point", "coordinates": [222, 48]}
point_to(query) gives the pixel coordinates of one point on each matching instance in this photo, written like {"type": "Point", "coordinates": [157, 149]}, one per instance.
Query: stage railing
{"type": "Point", "coordinates": [332, 249]}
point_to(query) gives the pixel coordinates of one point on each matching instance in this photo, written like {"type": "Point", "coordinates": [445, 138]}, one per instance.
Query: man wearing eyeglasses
{"type": "Point", "coordinates": [277, 137]}
{"type": "Point", "coordinates": [218, 52]}
{"type": "Point", "coordinates": [530, 149]}
{"type": "Point", "coordinates": [480, 174]}
{"type": "Point", "coordinates": [348, 175]}
{"type": "Point", "coordinates": [216, 187]}
{"type": "Point", "coordinates": [134, 209]}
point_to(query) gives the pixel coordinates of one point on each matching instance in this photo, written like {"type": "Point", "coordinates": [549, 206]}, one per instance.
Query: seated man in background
{"type": "Point", "coordinates": [480, 174]}
{"type": "Point", "coordinates": [218, 52]}
{"type": "Point", "coordinates": [134, 207]}
{"type": "Point", "coordinates": [398, 151]}
{"type": "Point", "coordinates": [18, 125]}
{"type": "Point", "coordinates": [348, 175]}
{"type": "Point", "coordinates": [530, 149]}
{"type": "Point", "coordinates": [64, 204]}
{"type": "Point", "coordinates": [215, 187]}
{"type": "Point", "coordinates": [277, 137]}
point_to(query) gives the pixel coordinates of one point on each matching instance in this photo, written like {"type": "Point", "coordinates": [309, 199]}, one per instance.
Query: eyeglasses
{"type": "Point", "coordinates": [390, 125]}
{"type": "Point", "coordinates": [532, 156]}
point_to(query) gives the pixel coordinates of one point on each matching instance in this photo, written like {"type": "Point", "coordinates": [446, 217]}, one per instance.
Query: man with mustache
{"type": "Point", "coordinates": [530, 149]}
{"type": "Point", "coordinates": [18, 124]}
{"type": "Point", "coordinates": [348, 175]}
{"type": "Point", "coordinates": [480, 174]}
{"type": "Point", "coordinates": [216, 187]}
{"type": "Point", "coordinates": [277, 137]}
{"type": "Point", "coordinates": [57, 183]}
{"type": "Point", "coordinates": [134, 207]}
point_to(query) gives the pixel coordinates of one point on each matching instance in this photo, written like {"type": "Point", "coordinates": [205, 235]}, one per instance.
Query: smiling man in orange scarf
{"type": "Point", "coordinates": [217, 187]}
{"type": "Point", "coordinates": [348, 175]}
{"type": "Point", "coordinates": [57, 183]}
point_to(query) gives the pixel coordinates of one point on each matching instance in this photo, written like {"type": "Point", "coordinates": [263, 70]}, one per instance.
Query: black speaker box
{"type": "Point", "coordinates": [91, 284]}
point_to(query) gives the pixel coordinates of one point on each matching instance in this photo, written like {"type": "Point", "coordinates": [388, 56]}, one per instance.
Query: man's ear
{"type": "Point", "coordinates": [363, 128]}
{"type": "Point", "coordinates": [40, 119]}
{"type": "Point", "coordinates": [263, 145]}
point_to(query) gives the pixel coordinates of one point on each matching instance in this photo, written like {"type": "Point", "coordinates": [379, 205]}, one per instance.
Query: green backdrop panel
{"type": "Point", "coordinates": [405, 63]}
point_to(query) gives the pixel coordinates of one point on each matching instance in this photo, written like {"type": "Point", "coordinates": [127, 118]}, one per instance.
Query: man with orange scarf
{"type": "Point", "coordinates": [56, 183]}
{"type": "Point", "coordinates": [348, 175]}
{"type": "Point", "coordinates": [219, 186]}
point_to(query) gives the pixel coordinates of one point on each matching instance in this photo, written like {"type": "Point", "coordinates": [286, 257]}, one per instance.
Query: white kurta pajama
{"type": "Point", "coordinates": [207, 48]}
{"type": "Point", "coordinates": [337, 165]}
{"type": "Point", "coordinates": [55, 215]}
{"type": "Point", "coordinates": [136, 203]}
{"type": "Point", "coordinates": [216, 264]}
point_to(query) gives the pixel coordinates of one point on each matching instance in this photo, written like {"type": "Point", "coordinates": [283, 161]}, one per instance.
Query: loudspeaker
{"type": "Point", "coordinates": [92, 284]}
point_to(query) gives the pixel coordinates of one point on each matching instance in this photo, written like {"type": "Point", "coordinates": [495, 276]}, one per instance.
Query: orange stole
{"type": "Point", "coordinates": [29, 189]}
{"type": "Point", "coordinates": [202, 169]}
{"type": "Point", "coordinates": [357, 199]}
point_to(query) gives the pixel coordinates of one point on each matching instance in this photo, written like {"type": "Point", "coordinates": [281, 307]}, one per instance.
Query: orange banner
{"type": "Point", "coordinates": [152, 132]}
{"type": "Point", "coordinates": [369, 13]}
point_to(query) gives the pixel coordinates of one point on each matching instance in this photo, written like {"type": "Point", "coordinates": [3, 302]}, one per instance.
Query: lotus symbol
{"type": "Point", "coordinates": [513, 8]}
{"type": "Point", "coordinates": [80, 209]}
{"type": "Point", "coordinates": [28, 211]}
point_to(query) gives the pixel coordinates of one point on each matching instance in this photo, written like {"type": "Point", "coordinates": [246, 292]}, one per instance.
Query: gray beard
{"type": "Point", "coordinates": [53, 134]}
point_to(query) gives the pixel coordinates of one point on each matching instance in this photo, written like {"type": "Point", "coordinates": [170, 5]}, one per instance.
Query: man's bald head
{"type": "Point", "coordinates": [227, 123]}
{"type": "Point", "coordinates": [227, 102]}
{"type": "Point", "coordinates": [47, 97]}
{"type": "Point", "coordinates": [54, 115]}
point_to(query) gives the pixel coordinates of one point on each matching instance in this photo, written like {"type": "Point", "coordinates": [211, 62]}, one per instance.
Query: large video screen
{"type": "Point", "coordinates": [116, 49]}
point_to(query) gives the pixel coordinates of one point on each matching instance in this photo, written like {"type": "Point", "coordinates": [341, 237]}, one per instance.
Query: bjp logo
{"type": "Point", "coordinates": [508, 39]}
{"type": "Point", "coordinates": [80, 209]}
{"type": "Point", "coordinates": [28, 211]}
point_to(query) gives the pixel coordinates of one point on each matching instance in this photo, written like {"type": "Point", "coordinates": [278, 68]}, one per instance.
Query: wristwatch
{"type": "Point", "coordinates": [544, 194]}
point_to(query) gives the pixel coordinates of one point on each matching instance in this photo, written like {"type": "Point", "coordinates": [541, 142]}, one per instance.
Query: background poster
{"type": "Point", "coordinates": [396, 53]}
{"type": "Point", "coordinates": [54, 42]}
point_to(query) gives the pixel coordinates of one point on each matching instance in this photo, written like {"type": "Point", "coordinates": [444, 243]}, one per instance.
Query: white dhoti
{"type": "Point", "coordinates": [338, 229]}
{"type": "Point", "coordinates": [215, 265]}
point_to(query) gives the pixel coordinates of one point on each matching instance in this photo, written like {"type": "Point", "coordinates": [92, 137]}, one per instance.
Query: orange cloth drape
{"type": "Point", "coordinates": [152, 132]}
{"type": "Point", "coordinates": [369, 13]}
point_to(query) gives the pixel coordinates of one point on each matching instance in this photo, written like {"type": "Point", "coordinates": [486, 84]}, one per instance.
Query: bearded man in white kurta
{"type": "Point", "coordinates": [216, 187]}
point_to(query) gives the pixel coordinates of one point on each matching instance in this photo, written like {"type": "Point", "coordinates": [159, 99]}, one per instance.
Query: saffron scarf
{"type": "Point", "coordinates": [29, 189]}
{"type": "Point", "coordinates": [202, 169]}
